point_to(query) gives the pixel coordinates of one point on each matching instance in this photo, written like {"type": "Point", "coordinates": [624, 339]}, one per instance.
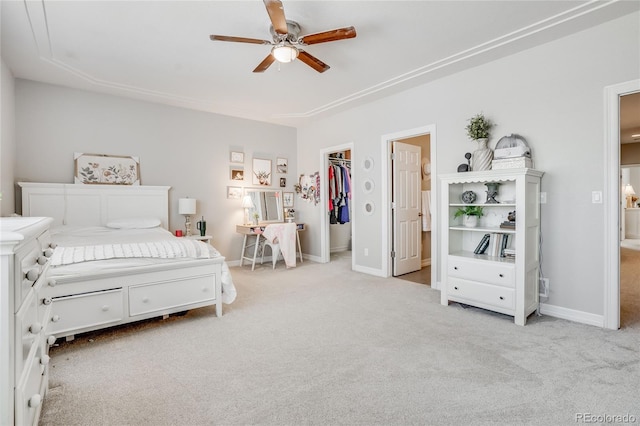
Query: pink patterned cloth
{"type": "Point", "coordinates": [285, 235]}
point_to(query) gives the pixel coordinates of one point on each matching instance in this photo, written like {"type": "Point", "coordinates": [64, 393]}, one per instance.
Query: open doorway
{"type": "Point", "coordinates": [614, 211]}
{"type": "Point", "coordinates": [337, 200]}
{"type": "Point", "coordinates": [630, 210]}
{"type": "Point", "coordinates": [425, 138]}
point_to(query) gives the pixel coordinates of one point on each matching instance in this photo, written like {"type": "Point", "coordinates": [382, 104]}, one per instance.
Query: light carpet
{"type": "Point", "coordinates": [321, 345]}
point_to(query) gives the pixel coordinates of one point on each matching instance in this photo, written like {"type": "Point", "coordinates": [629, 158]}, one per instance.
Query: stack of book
{"type": "Point", "coordinates": [493, 244]}
{"type": "Point", "coordinates": [508, 224]}
{"type": "Point", "coordinates": [509, 252]}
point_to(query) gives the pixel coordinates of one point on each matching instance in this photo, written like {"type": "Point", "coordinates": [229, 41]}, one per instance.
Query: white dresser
{"type": "Point", "coordinates": [500, 280]}
{"type": "Point", "coordinates": [24, 318]}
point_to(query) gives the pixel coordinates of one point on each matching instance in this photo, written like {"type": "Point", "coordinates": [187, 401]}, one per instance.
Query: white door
{"type": "Point", "coordinates": [406, 208]}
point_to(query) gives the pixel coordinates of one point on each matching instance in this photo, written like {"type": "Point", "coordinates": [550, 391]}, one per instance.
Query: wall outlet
{"type": "Point", "coordinates": [366, 252]}
{"type": "Point", "coordinates": [544, 287]}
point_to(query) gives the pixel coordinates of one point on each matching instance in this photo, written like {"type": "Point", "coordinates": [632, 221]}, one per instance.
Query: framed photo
{"type": "Point", "coordinates": [283, 182]}
{"type": "Point", "coordinates": [237, 173]}
{"type": "Point", "coordinates": [282, 166]}
{"type": "Point", "coordinates": [234, 192]}
{"type": "Point", "coordinates": [287, 199]}
{"type": "Point", "coordinates": [261, 172]}
{"type": "Point", "coordinates": [106, 169]}
{"type": "Point", "coordinates": [237, 157]}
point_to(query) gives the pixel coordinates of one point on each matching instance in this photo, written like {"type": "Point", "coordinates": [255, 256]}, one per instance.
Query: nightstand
{"type": "Point", "coordinates": [205, 238]}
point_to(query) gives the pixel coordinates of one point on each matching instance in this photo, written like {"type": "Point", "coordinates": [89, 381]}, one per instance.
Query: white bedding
{"type": "Point", "coordinates": [75, 237]}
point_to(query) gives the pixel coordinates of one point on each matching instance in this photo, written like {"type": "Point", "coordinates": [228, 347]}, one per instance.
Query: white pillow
{"type": "Point", "coordinates": [135, 223]}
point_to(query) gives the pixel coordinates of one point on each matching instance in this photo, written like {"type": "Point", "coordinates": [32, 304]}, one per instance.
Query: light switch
{"type": "Point", "coordinates": [543, 198]}
{"type": "Point", "coordinates": [596, 197]}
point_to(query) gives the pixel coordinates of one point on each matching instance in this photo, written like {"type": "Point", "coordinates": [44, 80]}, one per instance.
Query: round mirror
{"type": "Point", "coordinates": [368, 208]}
{"type": "Point", "coordinates": [367, 186]}
{"type": "Point", "coordinates": [367, 163]}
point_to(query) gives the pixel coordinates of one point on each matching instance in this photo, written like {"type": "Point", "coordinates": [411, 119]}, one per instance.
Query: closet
{"type": "Point", "coordinates": [339, 200]}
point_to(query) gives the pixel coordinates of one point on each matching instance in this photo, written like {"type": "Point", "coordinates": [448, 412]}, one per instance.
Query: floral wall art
{"type": "Point", "coordinates": [261, 172]}
{"type": "Point", "coordinates": [106, 169]}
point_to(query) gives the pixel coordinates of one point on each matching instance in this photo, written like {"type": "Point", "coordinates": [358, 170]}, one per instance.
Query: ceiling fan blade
{"type": "Point", "coordinates": [215, 37]}
{"type": "Point", "coordinates": [312, 61]}
{"type": "Point", "coordinates": [276, 14]}
{"type": "Point", "coordinates": [332, 35]}
{"type": "Point", "coordinates": [266, 63]}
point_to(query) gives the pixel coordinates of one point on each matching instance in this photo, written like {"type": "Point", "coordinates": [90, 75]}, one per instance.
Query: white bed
{"type": "Point", "coordinates": [94, 287]}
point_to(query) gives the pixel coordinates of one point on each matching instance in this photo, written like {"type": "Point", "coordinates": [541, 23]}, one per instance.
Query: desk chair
{"type": "Point", "coordinates": [275, 252]}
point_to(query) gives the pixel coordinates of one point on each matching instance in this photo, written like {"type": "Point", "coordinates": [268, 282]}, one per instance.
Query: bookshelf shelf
{"type": "Point", "coordinates": [486, 278]}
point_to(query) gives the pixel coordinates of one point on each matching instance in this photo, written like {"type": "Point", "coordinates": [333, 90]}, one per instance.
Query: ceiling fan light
{"type": "Point", "coordinates": [284, 53]}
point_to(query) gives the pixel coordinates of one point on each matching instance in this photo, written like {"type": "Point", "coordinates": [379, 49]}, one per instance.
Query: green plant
{"type": "Point", "coordinates": [478, 127]}
{"type": "Point", "coordinates": [469, 211]}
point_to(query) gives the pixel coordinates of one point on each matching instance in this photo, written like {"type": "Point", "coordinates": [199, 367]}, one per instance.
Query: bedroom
{"type": "Point", "coordinates": [542, 91]}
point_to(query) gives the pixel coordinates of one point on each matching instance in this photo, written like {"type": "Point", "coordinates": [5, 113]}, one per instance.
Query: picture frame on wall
{"type": "Point", "coordinates": [234, 192]}
{"type": "Point", "coordinates": [261, 172]}
{"type": "Point", "coordinates": [236, 173]}
{"type": "Point", "coordinates": [282, 166]}
{"type": "Point", "coordinates": [106, 169]}
{"type": "Point", "coordinates": [287, 199]}
{"type": "Point", "coordinates": [283, 182]}
{"type": "Point", "coordinates": [237, 157]}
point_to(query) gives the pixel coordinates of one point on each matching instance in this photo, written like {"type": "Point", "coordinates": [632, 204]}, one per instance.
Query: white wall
{"type": "Point", "coordinates": [188, 150]}
{"type": "Point", "coordinates": [7, 140]}
{"type": "Point", "coordinates": [553, 96]}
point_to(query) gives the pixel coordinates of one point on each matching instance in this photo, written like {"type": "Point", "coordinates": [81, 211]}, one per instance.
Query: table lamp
{"type": "Point", "coordinates": [187, 207]}
{"type": "Point", "coordinates": [247, 203]}
{"type": "Point", "coordinates": [629, 192]}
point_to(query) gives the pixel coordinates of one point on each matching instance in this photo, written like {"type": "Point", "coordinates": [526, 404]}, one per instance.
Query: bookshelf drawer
{"type": "Point", "coordinates": [482, 295]}
{"type": "Point", "coordinates": [481, 270]}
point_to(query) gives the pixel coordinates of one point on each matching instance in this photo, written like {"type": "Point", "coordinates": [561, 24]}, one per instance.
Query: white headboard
{"type": "Point", "coordinates": [94, 205]}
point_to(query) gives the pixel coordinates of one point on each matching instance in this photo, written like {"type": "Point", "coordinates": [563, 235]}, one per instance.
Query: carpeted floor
{"type": "Point", "coordinates": [322, 345]}
{"type": "Point", "coordinates": [629, 287]}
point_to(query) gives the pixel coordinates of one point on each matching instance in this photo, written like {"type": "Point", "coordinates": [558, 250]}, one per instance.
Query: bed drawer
{"type": "Point", "coordinates": [144, 299]}
{"type": "Point", "coordinates": [86, 310]}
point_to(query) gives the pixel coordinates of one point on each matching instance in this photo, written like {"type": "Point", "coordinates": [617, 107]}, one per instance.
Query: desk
{"type": "Point", "coordinates": [256, 231]}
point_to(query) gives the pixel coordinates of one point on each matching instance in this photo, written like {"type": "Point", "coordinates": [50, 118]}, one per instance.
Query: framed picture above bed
{"type": "Point", "coordinates": [106, 169]}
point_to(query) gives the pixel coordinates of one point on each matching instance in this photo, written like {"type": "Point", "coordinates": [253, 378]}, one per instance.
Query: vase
{"type": "Point", "coordinates": [470, 221]}
{"type": "Point", "coordinates": [482, 156]}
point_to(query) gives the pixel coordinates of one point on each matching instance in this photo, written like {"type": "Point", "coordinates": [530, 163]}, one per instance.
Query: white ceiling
{"type": "Point", "coordinates": [160, 51]}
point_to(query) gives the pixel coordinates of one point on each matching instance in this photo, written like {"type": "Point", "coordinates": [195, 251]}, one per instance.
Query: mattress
{"type": "Point", "coordinates": [74, 236]}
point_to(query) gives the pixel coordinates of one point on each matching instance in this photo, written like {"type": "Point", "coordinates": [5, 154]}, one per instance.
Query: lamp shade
{"type": "Point", "coordinates": [247, 203]}
{"type": "Point", "coordinates": [284, 53]}
{"type": "Point", "coordinates": [187, 206]}
{"type": "Point", "coordinates": [628, 190]}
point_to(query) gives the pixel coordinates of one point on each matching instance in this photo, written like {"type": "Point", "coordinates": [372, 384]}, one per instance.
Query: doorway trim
{"type": "Point", "coordinates": [325, 243]}
{"type": "Point", "coordinates": [386, 168]}
{"type": "Point", "coordinates": [612, 194]}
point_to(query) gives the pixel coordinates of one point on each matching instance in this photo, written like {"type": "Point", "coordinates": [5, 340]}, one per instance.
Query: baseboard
{"type": "Point", "coordinates": [338, 249]}
{"type": "Point", "coordinates": [370, 271]}
{"type": "Point", "coordinates": [425, 263]}
{"type": "Point", "coordinates": [572, 315]}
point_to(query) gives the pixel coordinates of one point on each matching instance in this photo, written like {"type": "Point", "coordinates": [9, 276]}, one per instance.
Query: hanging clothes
{"type": "Point", "coordinates": [339, 192]}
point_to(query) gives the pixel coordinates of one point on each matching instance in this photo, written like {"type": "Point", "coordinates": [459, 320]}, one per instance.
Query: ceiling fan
{"type": "Point", "coordinates": [287, 44]}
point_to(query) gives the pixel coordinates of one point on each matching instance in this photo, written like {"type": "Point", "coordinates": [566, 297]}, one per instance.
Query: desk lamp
{"type": "Point", "coordinates": [629, 192]}
{"type": "Point", "coordinates": [247, 204]}
{"type": "Point", "coordinates": [187, 207]}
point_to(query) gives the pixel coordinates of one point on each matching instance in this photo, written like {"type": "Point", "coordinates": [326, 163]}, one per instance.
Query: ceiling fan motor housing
{"type": "Point", "coordinates": [293, 29]}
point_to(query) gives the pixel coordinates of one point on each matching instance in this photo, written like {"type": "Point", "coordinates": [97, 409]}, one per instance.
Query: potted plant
{"type": "Point", "coordinates": [478, 129]}
{"type": "Point", "coordinates": [471, 215]}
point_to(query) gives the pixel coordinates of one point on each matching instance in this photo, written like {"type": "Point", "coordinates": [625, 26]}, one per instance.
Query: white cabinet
{"type": "Point", "coordinates": [491, 280]}
{"type": "Point", "coordinates": [24, 318]}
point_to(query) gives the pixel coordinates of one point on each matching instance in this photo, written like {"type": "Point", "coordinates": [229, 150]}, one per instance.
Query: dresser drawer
{"type": "Point", "coordinates": [154, 297]}
{"type": "Point", "coordinates": [28, 270]}
{"type": "Point", "coordinates": [28, 331]}
{"type": "Point", "coordinates": [479, 294]}
{"type": "Point", "coordinates": [31, 388]}
{"type": "Point", "coordinates": [86, 310]}
{"type": "Point", "coordinates": [498, 273]}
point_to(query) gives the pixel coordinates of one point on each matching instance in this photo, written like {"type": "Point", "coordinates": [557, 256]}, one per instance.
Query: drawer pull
{"type": "Point", "coordinates": [105, 308]}
{"type": "Point", "coordinates": [53, 245]}
{"type": "Point", "coordinates": [42, 260]}
{"type": "Point", "coordinates": [455, 287]}
{"type": "Point", "coordinates": [455, 267]}
{"type": "Point", "coordinates": [46, 301]}
{"type": "Point", "coordinates": [35, 401]}
{"type": "Point", "coordinates": [45, 359]}
{"type": "Point", "coordinates": [55, 318]}
{"type": "Point", "coordinates": [35, 328]}
{"type": "Point", "coordinates": [48, 253]}
{"type": "Point", "coordinates": [145, 300]}
{"type": "Point", "coordinates": [52, 282]}
{"type": "Point", "coordinates": [32, 275]}
{"type": "Point", "coordinates": [500, 275]}
{"type": "Point", "coordinates": [501, 298]}
{"type": "Point", "coordinates": [51, 340]}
